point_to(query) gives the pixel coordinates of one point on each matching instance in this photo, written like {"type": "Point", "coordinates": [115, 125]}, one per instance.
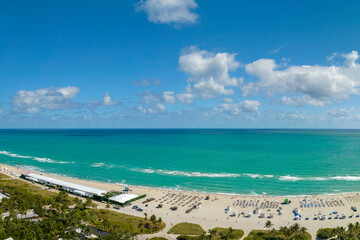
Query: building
{"type": "Point", "coordinates": [27, 216]}
{"type": "Point", "coordinates": [123, 198]}
{"type": "Point", "coordinates": [73, 188]}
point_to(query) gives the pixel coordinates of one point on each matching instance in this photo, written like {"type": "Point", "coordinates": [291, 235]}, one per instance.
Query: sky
{"type": "Point", "coordinates": [179, 64]}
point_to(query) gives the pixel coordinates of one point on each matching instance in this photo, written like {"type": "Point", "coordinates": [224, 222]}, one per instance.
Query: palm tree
{"type": "Point", "coordinates": [351, 228]}
{"type": "Point", "coordinates": [268, 224]}
{"type": "Point", "coordinates": [212, 233]}
{"type": "Point", "coordinates": [303, 230]}
{"type": "Point", "coordinates": [295, 228]}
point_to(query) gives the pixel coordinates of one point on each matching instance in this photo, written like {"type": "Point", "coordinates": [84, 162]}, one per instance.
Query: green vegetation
{"type": "Point", "coordinates": [187, 229]}
{"type": "Point", "coordinates": [351, 232]}
{"type": "Point", "coordinates": [3, 176]}
{"type": "Point", "coordinates": [58, 215]}
{"type": "Point", "coordinates": [216, 234]}
{"type": "Point", "coordinates": [36, 190]}
{"type": "Point", "coordinates": [229, 233]}
{"type": "Point", "coordinates": [325, 233]}
{"type": "Point", "coordinates": [130, 223]}
{"type": "Point", "coordinates": [284, 233]}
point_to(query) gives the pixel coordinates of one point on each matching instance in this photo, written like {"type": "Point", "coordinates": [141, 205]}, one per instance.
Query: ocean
{"type": "Point", "coordinates": [233, 161]}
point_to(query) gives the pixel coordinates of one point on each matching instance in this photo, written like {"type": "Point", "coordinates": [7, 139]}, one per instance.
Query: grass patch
{"type": "Point", "coordinates": [216, 234]}
{"type": "Point", "coordinates": [187, 229]}
{"type": "Point", "coordinates": [4, 176]}
{"type": "Point", "coordinates": [278, 235]}
{"type": "Point", "coordinates": [129, 223]}
{"type": "Point", "coordinates": [36, 190]}
{"type": "Point", "coordinates": [233, 234]}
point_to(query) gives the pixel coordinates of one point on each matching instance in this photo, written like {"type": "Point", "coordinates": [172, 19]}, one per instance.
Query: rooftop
{"type": "Point", "coordinates": [62, 183]}
{"type": "Point", "coordinates": [123, 198]}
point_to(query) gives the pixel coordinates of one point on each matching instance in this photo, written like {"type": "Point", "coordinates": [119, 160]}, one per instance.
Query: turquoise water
{"type": "Point", "coordinates": [278, 162]}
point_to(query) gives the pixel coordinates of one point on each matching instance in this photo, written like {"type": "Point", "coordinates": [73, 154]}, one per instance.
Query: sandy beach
{"type": "Point", "coordinates": [211, 212]}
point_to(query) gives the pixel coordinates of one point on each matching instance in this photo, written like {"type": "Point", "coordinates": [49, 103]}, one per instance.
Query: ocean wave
{"type": "Point", "coordinates": [346, 178]}
{"type": "Point", "coordinates": [339, 178]}
{"type": "Point", "coordinates": [258, 175]}
{"type": "Point", "coordinates": [31, 168]}
{"type": "Point", "coordinates": [13, 154]}
{"type": "Point", "coordinates": [187, 174]}
{"type": "Point", "coordinates": [253, 175]}
{"type": "Point", "coordinates": [101, 164]}
{"type": "Point", "coordinates": [290, 178]}
{"type": "Point", "coordinates": [98, 164]}
{"type": "Point", "coordinates": [38, 159]}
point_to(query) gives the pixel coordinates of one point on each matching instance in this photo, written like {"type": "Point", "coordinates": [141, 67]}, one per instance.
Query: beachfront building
{"type": "Point", "coordinates": [123, 199]}
{"type": "Point", "coordinates": [73, 188]}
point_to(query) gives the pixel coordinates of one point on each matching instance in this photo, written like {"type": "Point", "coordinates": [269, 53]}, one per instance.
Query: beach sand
{"type": "Point", "coordinates": [212, 211]}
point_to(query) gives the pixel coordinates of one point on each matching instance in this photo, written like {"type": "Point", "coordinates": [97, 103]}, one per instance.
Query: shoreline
{"type": "Point", "coordinates": [37, 170]}
{"type": "Point", "coordinates": [212, 213]}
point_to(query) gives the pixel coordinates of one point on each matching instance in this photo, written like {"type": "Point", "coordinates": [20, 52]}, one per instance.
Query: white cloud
{"type": "Point", "coordinates": [106, 101]}
{"type": "Point", "coordinates": [168, 97]}
{"type": "Point", "coordinates": [169, 11]}
{"type": "Point", "coordinates": [1, 111]}
{"type": "Point", "coordinates": [298, 101]}
{"type": "Point", "coordinates": [228, 100]}
{"type": "Point", "coordinates": [237, 108]}
{"type": "Point", "coordinates": [318, 84]}
{"type": "Point", "coordinates": [342, 113]}
{"type": "Point", "coordinates": [145, 82]}
{"type": "Point", "coordinates": [209, 72]}
{"type": "Point", "coordinates": [152, 103]}
{"type": "Point", "coordinates": [45, 98]}
{"type": "Point", "coordinates": [187, 97]}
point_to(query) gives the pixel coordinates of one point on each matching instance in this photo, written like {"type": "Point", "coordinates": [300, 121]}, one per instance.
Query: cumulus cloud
{"type": "Point", "coordinates": [153, 103]}
{"type": "Point", "coordinates": [169, 11]}
{"type": "Point", "coordinates": [209, 72]}
{"type": "Point", "coordinates": [299, 101]}
{"type": "Point", "coordinates": [318, 84]}
{"type": "Point", "coordinates": [46, 98]}
{"type": "Point", "coordinates": [187, 97]}
{"type": "Point", "coordinates": [146, 82]}
{"type": "Point", "coordinates": [237, 108]}
{"type": "Point", "coordinates": [228, 100]}
{"type": "Point", "coordinates": [106, 101]}
{"type": "Point", "coordinates": [343, 113]}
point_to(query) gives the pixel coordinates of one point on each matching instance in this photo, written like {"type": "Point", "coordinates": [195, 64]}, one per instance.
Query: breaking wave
{"type": "Point", "coordinates": [339, 178]}
{"type": "Point", "coordinates": [187, 174]}
{"type": "Point", "coordinates": [38, 159]}
{"type": "Point", "coordinates": [258, 175]}
{"type": "Point", "coordinates": [101, 164]}
{"type": "Point", "coordinates": [235, 175]}
{"type": "Point", "coordinates": [13, 154]}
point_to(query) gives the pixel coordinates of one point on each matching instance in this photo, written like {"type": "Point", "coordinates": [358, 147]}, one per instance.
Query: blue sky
{"type": "Point", "coordinates": [179, 63]}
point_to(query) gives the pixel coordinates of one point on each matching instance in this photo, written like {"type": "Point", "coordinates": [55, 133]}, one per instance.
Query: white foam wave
{"type": "Point", "coordinates": [13, 154]}
{"type": "Point", "coordinates": [258, 175]}
{"type": "Point", "coordinates": [39, 159]}
{"type": "Point", "coordinates": [253, 175]}
{"type": "Point", "coordinates": [101, 164]}
{"type": "Point", "coordinates": [98, 164]}
{"type": "Point", "coordinates": [31, 168]}
{"type": "Point", "coordinates": [339, 178]}
{"type": "Point", "coordinates": [187, 174]}
{"type": "Point", "coordinates": [290, 178]}
{"type": "Point", "coordinates": [269, 176]}
{"type": "Point", "coordinates": [346, 178]}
